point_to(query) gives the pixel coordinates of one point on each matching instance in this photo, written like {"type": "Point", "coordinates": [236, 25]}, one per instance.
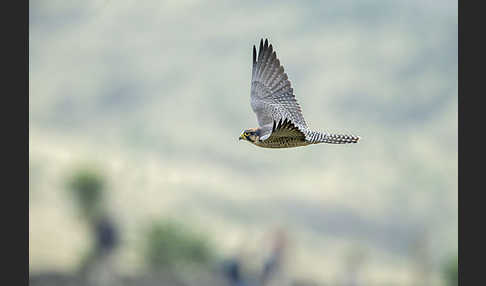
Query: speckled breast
{"type": "Point", "coordinates": [282, 143]}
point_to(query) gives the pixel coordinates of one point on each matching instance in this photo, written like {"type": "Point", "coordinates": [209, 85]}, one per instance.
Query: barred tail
{"type": "Point", "coordinates": [315, 137]}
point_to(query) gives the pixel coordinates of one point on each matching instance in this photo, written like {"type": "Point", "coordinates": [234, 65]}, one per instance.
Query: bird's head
{"type": "Point", "coordinates": [251, 135]}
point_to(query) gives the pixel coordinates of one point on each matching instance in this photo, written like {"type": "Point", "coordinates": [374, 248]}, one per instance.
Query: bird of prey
{"type": "Point", "coordinates": [280, 119]}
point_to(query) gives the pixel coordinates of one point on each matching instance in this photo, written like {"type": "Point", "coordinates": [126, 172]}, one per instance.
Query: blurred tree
{"type": "Point", "coordinates": [169, 244]}
{"type": "Point", "coordinates": [450, 271]}
{"type": "Point", "coordinates": [87, 185]}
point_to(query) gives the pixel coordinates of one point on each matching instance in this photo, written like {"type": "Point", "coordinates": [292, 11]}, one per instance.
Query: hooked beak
{"type": "Point", "coordinates": [241, 137]}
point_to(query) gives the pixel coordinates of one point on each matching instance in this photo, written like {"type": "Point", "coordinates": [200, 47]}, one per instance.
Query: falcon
{"type": "Point", "coordinates": [279, 116]}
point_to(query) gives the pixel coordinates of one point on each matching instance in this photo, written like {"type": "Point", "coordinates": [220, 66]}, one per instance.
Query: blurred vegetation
{"type": "Point", "coordinates": [87, 186]}
{"type": "Point", "coordinates": [450, 271]}
{"type": "Point", "coordinates": [170, 244]}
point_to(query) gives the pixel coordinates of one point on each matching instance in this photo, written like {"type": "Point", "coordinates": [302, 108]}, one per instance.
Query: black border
{"type": "Point", "coordinates": [15, 139]}
{"type": "Point", "coordinates": [470, 211]}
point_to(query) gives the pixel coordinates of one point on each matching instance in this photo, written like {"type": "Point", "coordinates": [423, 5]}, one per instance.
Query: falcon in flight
{"type": "Point", "coordinates": [280, 119]}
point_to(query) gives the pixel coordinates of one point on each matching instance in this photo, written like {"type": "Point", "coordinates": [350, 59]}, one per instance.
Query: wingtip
{"type": "Point", "coordinates": [264, 42]}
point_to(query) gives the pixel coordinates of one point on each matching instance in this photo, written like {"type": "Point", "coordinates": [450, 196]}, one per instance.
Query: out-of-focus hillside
{"type": "Point", "coordinates": [157, 94]}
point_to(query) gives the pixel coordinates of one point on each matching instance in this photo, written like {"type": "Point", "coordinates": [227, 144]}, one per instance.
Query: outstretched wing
{"type": "Point", "coordinates": [285, 129]}
{"type": "Point", "coordinates": [272, 97]}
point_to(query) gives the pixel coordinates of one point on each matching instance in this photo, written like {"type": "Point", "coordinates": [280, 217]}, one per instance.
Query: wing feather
{"type": "Point", "coordinates": [272, 97]}
{"type": "Point", "coordinates": [285, 129]}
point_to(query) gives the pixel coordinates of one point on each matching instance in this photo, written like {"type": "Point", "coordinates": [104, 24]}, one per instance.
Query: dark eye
{"type": "Point", "coordinates": [247, 134]}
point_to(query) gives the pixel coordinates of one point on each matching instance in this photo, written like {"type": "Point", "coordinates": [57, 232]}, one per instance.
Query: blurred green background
{"type": "Point", "coordinates": [135, 109]}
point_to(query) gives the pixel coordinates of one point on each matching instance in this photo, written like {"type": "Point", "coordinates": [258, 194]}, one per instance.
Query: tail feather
{"type": "Point", "coordinates": [315, 137]}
